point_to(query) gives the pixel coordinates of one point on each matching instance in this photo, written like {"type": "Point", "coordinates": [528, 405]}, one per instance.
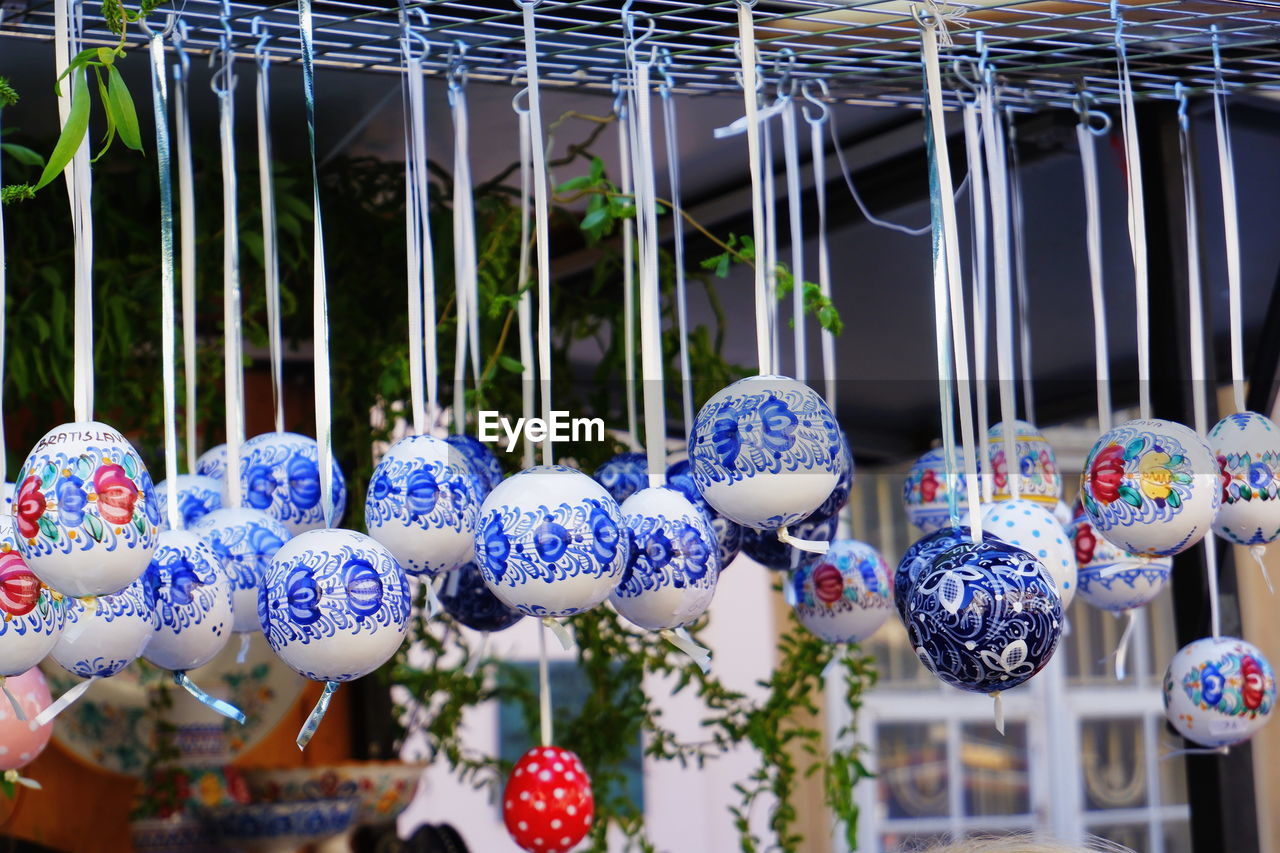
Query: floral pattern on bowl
{"type": "Point", "coordinates": [382, 789]}
{"type": "Point", "coordinates": [281, 826]}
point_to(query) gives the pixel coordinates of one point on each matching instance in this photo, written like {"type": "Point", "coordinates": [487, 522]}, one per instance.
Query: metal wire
{"type": "Point", "coordinates": [868, 51]}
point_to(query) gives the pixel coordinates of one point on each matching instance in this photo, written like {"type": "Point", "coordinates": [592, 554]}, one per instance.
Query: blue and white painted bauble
{"type": "Point", "coordinates": [926, 491]}
{"type": "Point", "coordinates": [766, 451]}
{"type": "Point", "coordinates": [192, 596]}
{"type": "Point", "coordinates": [728, 533]}
{"type": "Point", "coordinates": [213, 463]}
{"type": "Point", "coordinates": [843, 596]}
{"type": "Point", "coordinates": [549, 541]}
{"type": "Point", "coordinates": [1112, 579]}
{"type": "Point", "coordinates": [765, 548]}
{"type": "Point", "coordinates": [31, 614]}
{"type": "Point", "coordinates": [105, 634]}
{"type": "Point", "coordinates": [919, 558]}
{"type": "Point", "coordinates": [623, 475]}
{"type": "Point", "coordinates": [1247, 447]}
{"type": "Point", "coordinates": [1029, 525]}
{"type": "Point", "coordinates": [984, 618]}
{"type": "Point", "coordinates": [483, 461]}
{"type": "Point", "coordinates": [1219, 691]}
{"type": "Point", "coordinates": [280, 475]}
{"type": "Point", "coordinates": [85, 510]}
{"type": "Point", "coordinates": [1039, 479]}
{"type": "Point", "coordinates": [465, 596]}
{"type": "Point", "coordinates": [673, 564]}
{"type": "Point", "coordinates": [334, 604]}
{"type": "Point", "coordinates": [198, 495]}
{"type": "Point", "coordinates": [422, 503]}
{"type": "Point", "coordinates": [840, 494]}
{"type": "Point", "coordinates": [1151, 487]}
{"type": "Point", "coordinates": [244, 541]}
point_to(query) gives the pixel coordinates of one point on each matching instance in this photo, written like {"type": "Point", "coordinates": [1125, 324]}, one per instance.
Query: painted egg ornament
{"type": "Point", "coordinates": [1038, 477]}
{"type": "Point", "coordinates": [547, 804]}
{"type": "Point", "coordinates": [1032, 527]}
{"type": "Point", "coordinates": [334, 604]}
{"type": "Point", "coordinates": [1151, 487]}
{"type": "Point", "coordinates": [85, 510]}
{"type": "Point", "coordinates": [23, 740]}
{"type": "Point", "coordinates": [549, 542]}
{"type": "Point", "coordinates": [280, 475]}
{"type": "Point", "coordinates": [465, 596]}
{"type": "Point", "coordinates": [1112, 579]}
{"type": "Point", "coordinates": [728, 533]}
{"type": "Point", "coordinates": [766, 452]}
{"type": "Point", "coordinates": [31, 614]}
{"type": "Point", "coordinates": [192, 596]}
{"type": "Point", "coordinates": [198, 495]}
{"type": "Point", "coordinates": [623, 475]}
{"type": "Point", "coordinates": [103, 635]}
{"type": "Point", "coordinates": [765, 548]}
{"type": "Point", "coordinates": [843, 596]}
{"type": "Point", "coordinates": [919, 558]}
{"type": "Point", "coordinates": [673, 563]}
{"type": "Point", "coordinates": [839, 496]}
{"type": "Point", "coordinates": [422, 503]}
{"type": "Point", "coordinates": [925, 491]}
{"type": "Point", "coordinates": [984, 618]}
{"type": "Point", "coordinates": [244, 541]}
{"type": "Point", "coordinates": [1247, 447]}
{"type": "Point", "coordinates": [483, 461]}
{"type": "Point", "coordinates": [213, 463]}
{"type": "Point", "coordinates": [1219, 691]}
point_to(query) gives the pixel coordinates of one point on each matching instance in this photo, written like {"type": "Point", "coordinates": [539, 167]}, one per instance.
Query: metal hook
{"type": "Point", "coordinates": [664, 65]}
{"type": "Point", "coordinates": [171, 19]}
{"type": "Point", "coordinates": [408, 34]}
{"type": "Point", "coordinates": [968, 72]}
{"type": "Point", "coordinates": [784, 64]}
{"type": "Point", "coordinates": [183, 67]}
{"type": "Point", "coordinates": [619, 96]}
{"type": "Point", "coordinates": [515, 100]}
{"type": "Point", "coordinates": [1180, 92]}
{"type": "Point", "coordinates": [257, 27]}
{"type": "Point", "coordinates": [227, 33]}
{"type": "Point", "coordinates": [634, 41]}
{"type": "Point", "coordinates": [457, 66]}
{"type": "Point", "coordinates": [1096, 121]}
{"type": "Point", "coordinates": [824, 109]}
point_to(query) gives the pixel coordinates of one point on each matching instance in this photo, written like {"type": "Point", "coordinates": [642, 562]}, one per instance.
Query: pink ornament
{"type": "Point", "coordinates": [547, 805]}
{"type": "Point", "coordinates": [22, 740]}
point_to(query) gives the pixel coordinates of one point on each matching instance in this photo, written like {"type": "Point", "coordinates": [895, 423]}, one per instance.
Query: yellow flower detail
{"type": "Point", "coordinates": [1155, 475]}
{"type": "Point", "coordinates": [210, 790]}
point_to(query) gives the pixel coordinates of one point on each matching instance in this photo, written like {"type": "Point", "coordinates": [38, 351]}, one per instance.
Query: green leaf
{"type": "Point", "coordinates": [94, 526]}
{"type": "Point", "coordinates": [722, 266]}
{"type": "Point", "coordinates": [106, 55]}
{"type": "Point", "coordinates": [48, 528]}
{"type": "Point", "coordinates": [594, 219]}
{"type": "Point", "coordinates": [1174, 500]}
{"type": "Point", "coordinates": [22, 154]}
{"type": "Point", "coordinates": [579, 183]}
{"type": "Point", "coordinates": [130, 466]}
{"type": "Point", "coordinates": [511, 364]}
{"type": "Point", "coordinates": [16, 192]}
{"type": "Point", "coordinates": [8, 94]}
{"type": "Point", "coordinates": [140, 523]}
{"type": "Point", "coordinates": [597, 170]}
{"type": "Point", "coordinates": [72, 132]}
{"type": "Point", "coordinates": [122, 106]}
{"type": "Point", "coordinates": [1130, 496]}
{"type": "Point", "coordinates": [110, 135]}
{"type": "Point", "coordinates": [48, 475]}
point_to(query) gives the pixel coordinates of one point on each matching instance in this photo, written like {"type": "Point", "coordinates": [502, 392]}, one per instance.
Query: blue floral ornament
{"type": "Point", "coordinates": [842, 596]}
{"type": "Point", "coordinates": [673, 561]}
{"type": "Point", "coordinates": [766, 452]}
{"type": "Point", "coordinates": [192, 600]}
{"type": "Point", "coordinates": [984, 618]}
{"type": "Point", "coordinates": [334, 604]}
{"type": "Point", "coordinates": [728, 533]}
{"type": "Point", "coordinates": [103, 635]}
{"type": "Point", "coordinates": [1247, 448]}
{"type": "Point", "coordinates": [198, 495]}
{"type": "Point", "coordinates": [1039, 479]}
{"type": "Point", "coordinates": [1219, 691]}
{"type": "Point", "coordinates": [1112, 579]}
{"type": "Point", "coordinates": [919, 558]}
{"type": "Point", "coordinates": [548, 542]}
{"type": "Point", "coordinates": [213, 463]}
{"type": "Point", "coordinates": [483, 462]}
{"type": "Point", "coordinates": [926, 492]}
{"type": "Point", "coordinates": [244, 541]}
{"type": "Point", "coordinates": [765, 548]}
{"type": "Point", "coordinates": [467, 599]}
{"type": "Point", "coordinates": [280, 475]}
{"type": "Point", "coordinates": [422, 504]}
{"type": "Point", "coordinates": [623, 475]}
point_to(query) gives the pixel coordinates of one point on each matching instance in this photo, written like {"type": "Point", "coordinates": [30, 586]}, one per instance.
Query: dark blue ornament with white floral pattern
{"type": "Point", "coordinates": [920, 556]}
{"type": "Point", "coordinates": [467, 599]}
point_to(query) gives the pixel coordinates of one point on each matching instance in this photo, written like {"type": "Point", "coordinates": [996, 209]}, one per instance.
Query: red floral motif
{"type": "Point", "coordinates": [1085, 543]}
{"type": "Point", "coordinates": [1046, 463]}
{"type": "Point", "coordinates": [1226, 476]}
{"type": "Point", "coordinates": [999, 470]}
{"type": "Point", "coordinates": [117, 494]}
{"type": "Point", "coordinates": [828, 583]}
{"type": "Point", "coordinates": [928, 486]}
{"type": "Point", "coordinates": [19, 587]}
{"type": "Point", "coordinates": [1107, 473]}
{"type": "Point", "coordinates": [1255, 682]}
{"type": "Point", "coordinates": [30, 506]}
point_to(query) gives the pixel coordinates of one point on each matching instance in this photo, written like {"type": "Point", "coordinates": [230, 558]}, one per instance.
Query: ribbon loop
{"type": "Point", "coordinates": [680, 638]}
{"type": "Point", "coordinates": [13, 700]}
{"type": "Point", "coordinates": [213, 703]}
{"type": "Point", "coordinates": [813, 546]}
{"type": "Point", "coordinates": [317, 714]}
{"type": "Point", "coordinates": [998, 710]}
{"type": "Point", "coordinates": [562, 632]}
{"type": "Point", "coordinates": [62, 702]}
{"type": "Point", "coordinates": [1257, 552]}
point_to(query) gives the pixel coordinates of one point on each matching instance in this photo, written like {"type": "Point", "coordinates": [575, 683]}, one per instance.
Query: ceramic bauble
{"type": "Point", "coordinates": [1247, 447]}
{"type": "Point", "coordinates": [549, 542]}
{"type": "Point", "coordinates": [280, 475]}
{"type": "Point", "coordinates": [85, 510]}
{"type": "Point", "coordinates": [1219, 691]}
{"type": "Point", "coordinates": [192, 596]}
{"type": "Point", "coordinates": [840, 494]}
{"type": "Point", "coordinates": [213, 463]}
{"type": "Point", "coordinates": [198, 495]}
{"type": "Point", "coordinates": [1151, 487]}
{"type": "Point", "coordinates": [22, 740]}
{"type": "Point", "coordinates": [926, 494]}
{"type": "Point", "coordinates": [334, 604]}
{"type": "Point", "coordinates": [244, 540]}
{"type": "Point", "coordinates": [984, 618]}
{"type": "Point", "coordinates": [31, 614]}
{"type": "Point", "coordinates": [766, 452]}
{"type": "Point", "coordinates": [465, 596]}
{"type": "Point", "coordinates": [728, 533]}
{"type": "Point", "coordinates": [547, 804]}
{"type": "Point", "coordinates": [422, 503]}
{"type": "Point", "coordinates": [673, 561]}
{"type": "Point", "coordinates": [1032, 527]}
{"type": "Point", "coordinates": [920, 557]}
{"type": "Point", "coordinates": [103, 635]}
{"type": "Point", "coordinates": [623, 475]}
{"type": "Point", "coordinates": [482, 460]}
{"type": "Point", "coordinates": [843, 596]}
{"type": "Point", "coordinates": [768, 550]}
{"type": "Point", "coordinates": [1037, 470]}
{"type": "Point", "coordinates": [1112, 579]}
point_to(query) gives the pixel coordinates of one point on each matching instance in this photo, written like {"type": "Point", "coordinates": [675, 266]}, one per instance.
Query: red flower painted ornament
{"type": "Point", "coordinates": [547, 805]}
{"type": "Point", "coordinates": [1247, 448]}
{"type": "Point", "coordinates": [31, 614]}
{"type": "Point", "coordinates": [844, 595]}
{"type": "Point", "coordinates": [1039, 479]}
{"type": "Point", "coordinates": [1219, 691]}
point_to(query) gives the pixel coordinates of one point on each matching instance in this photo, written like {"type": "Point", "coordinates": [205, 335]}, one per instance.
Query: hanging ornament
{"type": "Point", "coordinates": [623, 475]}
{"type": "Point", "coordinates": [192, 600]}
{"type": "Point", "coordinates": [22, 738]}
{"type": "Point", "coordinates": [1037, 470]}
{"type": "Point", "coordinates": [280, 475]}
{"type": "Point", "coordinates": [1111, 578]}
{"type": "Point", "coordinates": [1151, 487]}
{"type": "Point", "coordinates": [213, 463]}
{"type": "Point", "coordinates": [484, 463]}
{"type": "Point", "coordinates": [728, 533]}
{"type": "Point", "coordinates": [921, 556]}
{"type": "Point", "coordinates": [33, 615]}
{"type": "Point", "coordinates": [839, 496]}
{"type": "Point", "coordinates": [1030, 526]}
{"type": "Point", "coordinates": [465, 596]}
{"type": "Point", "coordinates": [548, 542]}
{"type": "Point", "coordinates": [422, 504]}
{"type": "Point", "coordinates": [244, 541]}
{"type": "Point", "coordinates": [765, 548]}
{"type": "Point", "coordinates": [1219, 691]}
{"type": "Point", "coordinates": [85, 510]}
{"type": "Point", "coordinates": [547, 804]}
{"type": "Point", "coordinates": [1247, 447]}
{"type": "Point", "coordinates": [103, 635]}
{"type": "Point", "coordinates": [844, 595]}
{"type": "Point", "coordinates": [198, 495]}
{"type": "Point", "coordinates": [926, 493]}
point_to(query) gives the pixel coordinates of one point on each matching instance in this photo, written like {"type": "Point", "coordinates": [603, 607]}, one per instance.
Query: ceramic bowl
{"type": "Point", "coordinates": [272, 827]}
{"type": "Point", "coordinates": [176, 834]}
{"type": "Point", "coordinates": [382, 789]}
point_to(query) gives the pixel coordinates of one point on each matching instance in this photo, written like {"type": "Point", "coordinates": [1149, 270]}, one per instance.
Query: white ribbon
{"type": "Point", "coordinates": [423, 275]}
{"type": "Point", "coordinates": [813, 546]}
{"type": "Point", "coordinates": [187, 241]}
{"type": "Point", "coordinates": [978, 210]}
{"type": "Point", "coordinates": [224, 83]}
{"type": "Point", "coordinates": [1137, 221]}
{"type": "Point", "coordinates": [243, 652]}
{"type": "Point", "coordinates": [767, 253]}
{"type": "Point", "coordinates": [997, 708]}
{"type": "Point", "coordinates": [680, 638]}
{"type": "Point", "coordinates": [18, 710]}
{"type": "Point", "coordinates": [562, 632]}
{"type": "Point", "coordinates": [1093, 241]}
{"type": "Point", "coordinates": [1231, 226]}
{"type": "Point", "coordinates": [524, 310]}
{"type": "Point", "coordinates": [819, 158]}
{"type": "Point", "coordinates": [747, 49]}
{"type": "Point", "coordinates": [1122, 647]}
{"type": "Point", "coordinates": [464, 253]}
{"type": "Point", "coordinates": [17, 778]}
{"type": "Point", "coordinates": [677, 238]}
{"type": "Point", "coordinates": [1020, 272]}
{"type": "Point", "coordinates": [433, 599]}
{"type": "Point", "coordinates": [791, 156]}
{"type": "Point", "coordinates": [628, 271]}
{"type": "Point", "coordinates": [541, 216]}
{"type": "Point", "coordinates": [1257, 551]}
{"type": "Point", "coordinates": [739, 126]}
{"type": "Point", "coordinates": [62, 702]}
{"type": "Point", "coordinates": [413, 235]}
{"type": "Point", "coordinates": [270, 253]}
{"type": "Point", "coordinates": [544, 684]}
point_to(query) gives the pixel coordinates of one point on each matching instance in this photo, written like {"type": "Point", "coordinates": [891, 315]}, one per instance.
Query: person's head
{"type": "Point", "coordinates": [1025, 844]}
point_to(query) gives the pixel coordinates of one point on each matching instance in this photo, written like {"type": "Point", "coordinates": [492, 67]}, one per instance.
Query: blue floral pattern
{"type": "Point", "coordinates": [677, 552]}
{"type": "Point", "coordinates": [280, 475]}
{"type": "Point", "coordinates": [623, 475]}
{"type": "Point", "coordinates": [729, 534]}
{"type": "Point", "coordinates": [197, 497]}
{"type": "Point", "coordinates": [245, 546]}
{"type": "Point", "coordinates": [184, 583]}
{"type": "Point", "coordinates": [482, 461]}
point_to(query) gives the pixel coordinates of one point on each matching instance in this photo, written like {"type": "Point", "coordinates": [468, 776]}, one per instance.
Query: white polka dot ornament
{"type": "Point", "coordinates": [1033, 527]}
{"type": "Point", "coordinates": [1219, 691]}
{"type": "Point", "coordinates": [547, 805]}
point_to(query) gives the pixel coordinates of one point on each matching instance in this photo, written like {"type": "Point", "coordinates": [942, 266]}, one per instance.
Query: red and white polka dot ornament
{"type": "Point", "coordinates": [547, 805]}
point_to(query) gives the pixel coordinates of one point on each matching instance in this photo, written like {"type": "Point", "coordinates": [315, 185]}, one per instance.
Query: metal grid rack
{"type": "Point", "coordinates": [868, 51]}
